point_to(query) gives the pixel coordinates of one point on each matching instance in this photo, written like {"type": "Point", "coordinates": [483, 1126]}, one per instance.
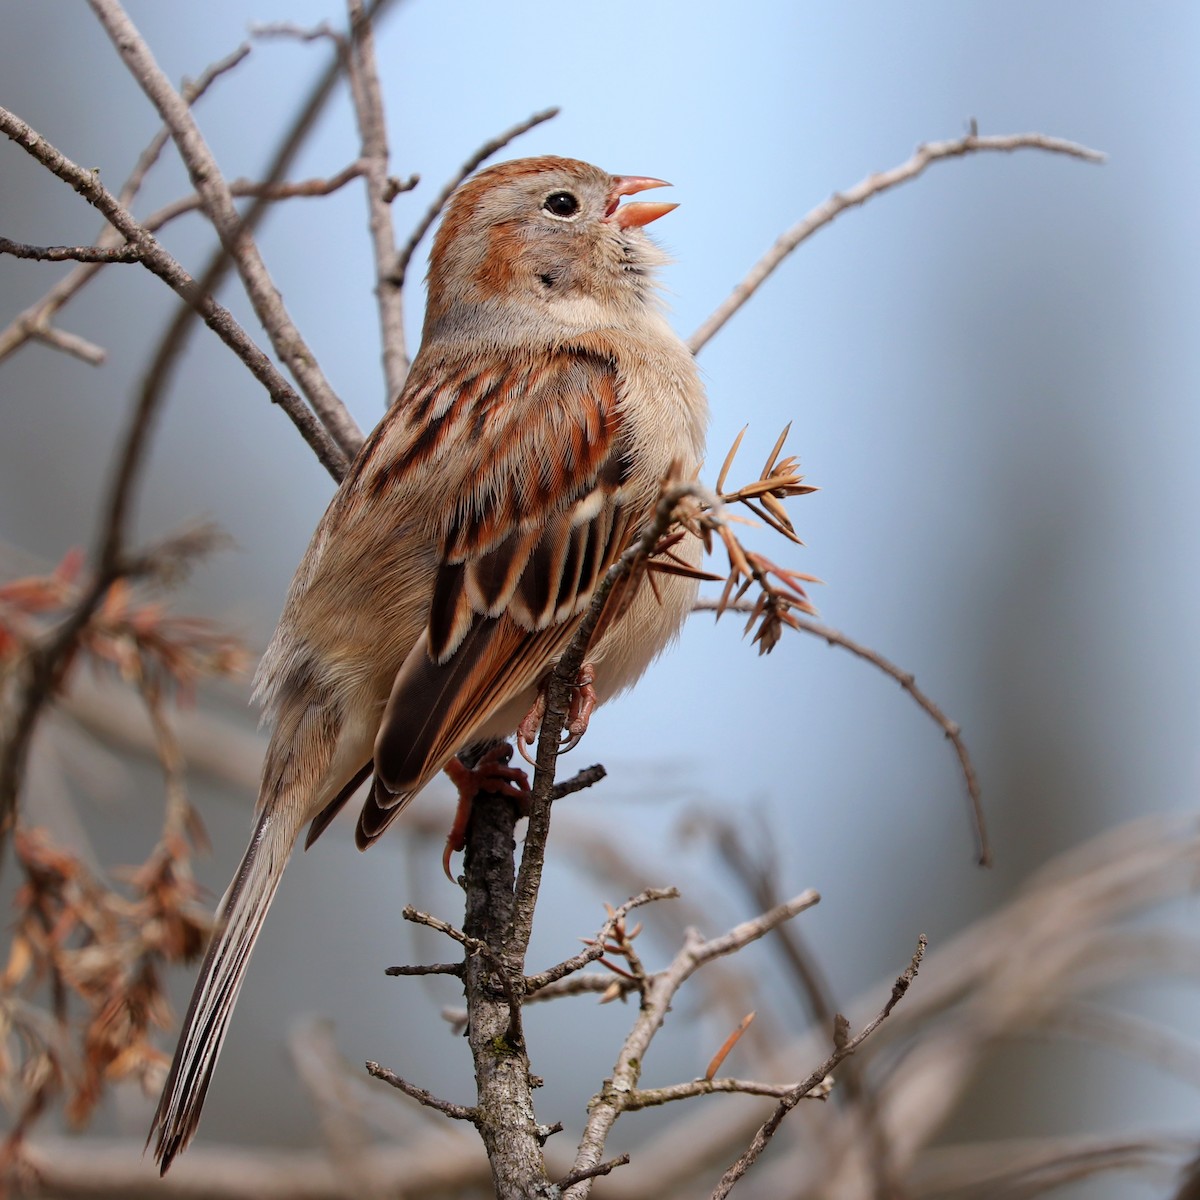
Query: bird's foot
{"type": "Point", "coordinates": [490, 774]}
{"type": "Point", "coordinates": [583, 704]}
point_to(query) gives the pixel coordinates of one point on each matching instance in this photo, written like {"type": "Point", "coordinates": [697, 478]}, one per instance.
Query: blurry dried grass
{"type": "Point", "coordinates": [81, 993]}
{"type": "Point", "coordinates": [1093, 918]}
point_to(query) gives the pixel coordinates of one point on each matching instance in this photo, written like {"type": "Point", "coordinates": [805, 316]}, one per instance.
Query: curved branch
{"type": "Point", "coordinates": [873, 185]}
{"type": "Point", "coordinates": [908, 681]}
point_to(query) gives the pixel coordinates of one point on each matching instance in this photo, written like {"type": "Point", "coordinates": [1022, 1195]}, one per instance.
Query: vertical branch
{"type": "Point", "coordinates": [505, 1114]}
{"type": "Point", "coordinates": [372, 129]}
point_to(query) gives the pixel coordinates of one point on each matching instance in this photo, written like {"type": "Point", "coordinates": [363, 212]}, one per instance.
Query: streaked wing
{"type": "Point", "coordinates": [534, 464]}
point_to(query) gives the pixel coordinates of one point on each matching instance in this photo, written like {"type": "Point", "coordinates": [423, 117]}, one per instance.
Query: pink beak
{"type": "Point", "coordinates": [640, 213]}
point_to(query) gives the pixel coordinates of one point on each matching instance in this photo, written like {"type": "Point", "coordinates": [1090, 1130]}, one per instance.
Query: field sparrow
{"type": "Point", "coordinates": [548, 401]}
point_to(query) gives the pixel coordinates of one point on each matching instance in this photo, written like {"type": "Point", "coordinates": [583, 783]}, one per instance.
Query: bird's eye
{"type": "Point", "coordinates": [560, 204]}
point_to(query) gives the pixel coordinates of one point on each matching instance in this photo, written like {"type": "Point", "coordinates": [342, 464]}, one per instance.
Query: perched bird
{"type": "Point", "coordinates": [549, 399]}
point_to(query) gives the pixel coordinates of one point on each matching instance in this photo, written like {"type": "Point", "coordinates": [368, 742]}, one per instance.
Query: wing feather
{"type": "Point", "coordinates": [540, 511]}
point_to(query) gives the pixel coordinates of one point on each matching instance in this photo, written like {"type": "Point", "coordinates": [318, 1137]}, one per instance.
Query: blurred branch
{"type": "Point", "coordinates": [41, 668]}
{"type": "Point", "coordinates": [278, 190]}
{"type": "Point", "coordinates": [34, 322]}
{"type": "Point", "coordinates": [83, 254]}
{"type": "Point", "coordinates": [1036, 1167]}
{"type": "Point", "coordinates": [162, 264]}
{"type": "Point", "coordinates": [435, 1168]}
{"type": "Point", "coordinates": [926, 154]}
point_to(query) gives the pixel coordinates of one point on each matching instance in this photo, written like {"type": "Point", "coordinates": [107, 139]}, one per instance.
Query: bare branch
{"type": "Point", "coordinates": [874, 185]}
{"type": "Point", "coordinates": [372, 131]}
{"type": "Point", "coordinates": [908, 682]}
{"type": "Point", "coordinates": [652, 1097]}
{"type": "Point", "coordinates": [404, 258]}
{"type": "Point", "coordinates": [444, 1167]}
{"type": "Point", "coordinates": [68, 343]}
{"type": "Point", "coordinates": [535, 983]}
{"type": "Point", "coordinates": [83, 254]}
{"type": "Point", "coordinates": [34, 322]}
{"type": "Point", "coordinates": [427, 969]}
{"type": "Point", "coordinates": [607, 1106]}
{"type": "Point", "coordinates": [585, 778]}
{"type": "Point", "coordinates": [593, 1172]}
{"type": "Point", "coordinates": [276, 190]}
{"type": "Point", "coordinates": [239, 244]}
{"type": "Point", "coordinates": [474, 945]}
{"type": "Point", "coordinates": [301, 33]}
{"type": "Point", "coordinates": [1040, 1166]}
{"type": "Point", "coordinates": [844, 1047]}
{"type": "Point", "coordinates": [458, 1112]}
{"type": "Point", "coordinates": [156, 258]}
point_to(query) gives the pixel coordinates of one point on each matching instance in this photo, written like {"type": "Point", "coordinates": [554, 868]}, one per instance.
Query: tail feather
{"type": "Point", "coordinates": [216, 991]}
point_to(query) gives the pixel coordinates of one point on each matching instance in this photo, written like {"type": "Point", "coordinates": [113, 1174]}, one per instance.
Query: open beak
{"type": "Point", "coordinates": [640, 213]}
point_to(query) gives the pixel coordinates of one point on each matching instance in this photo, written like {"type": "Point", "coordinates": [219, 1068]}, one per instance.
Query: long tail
{"type": "Point", "coordinates": [239, 922]}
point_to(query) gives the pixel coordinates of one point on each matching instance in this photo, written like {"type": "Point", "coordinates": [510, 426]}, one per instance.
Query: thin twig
{"type": "Point", "coordinates": [83, 254]}
{"type": "Point", "coordinates": [843, 1047]}
{"type": "Point", "coordinates": [162, 264]}
{"type": "Point", "coordinates": [535, 983]}
{"type": "Point", "coordinates": [652, 1097]}
{"type": "Point", "coordinates": [459, 1112]}
{"type": "Point", "coordinates": [427, 969]}
{"type": "Point", "coordinates": [906, 679]}
{"type": "Point", "coordinates": [874, 185]}
{"type": "Point", "coordinates": [475, 946]}
{"type": "Point", "coordinates": [756, 871]}
{"type": "Point", "coordinates": [404, 257]}
{"type": "Point", "coordinates": [660, 990]}
{"type": "Point", "coordinates": [301, 33]}
{"type": "Point", "coordinates": [275, 190]}
{"type": "Point", "coordinates": [586, 778]}
{"type": "Point", "coordinates": [68, 343]}
{"type": "Point", "coordinates": [595, 1172]}
{"type": "Point", "coordinates": [34, 321]}
{"type": "Point", "coordinates": [409, 913]}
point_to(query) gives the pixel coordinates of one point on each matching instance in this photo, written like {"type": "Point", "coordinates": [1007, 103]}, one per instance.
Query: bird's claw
{"type": "Point", "coordinates": [583, 704]}
{"type": "Point", "coordinates": [490, 774]}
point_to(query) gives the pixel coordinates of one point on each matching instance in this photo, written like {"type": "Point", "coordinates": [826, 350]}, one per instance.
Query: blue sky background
{"type": "Point", "coordinates": [991, 375]}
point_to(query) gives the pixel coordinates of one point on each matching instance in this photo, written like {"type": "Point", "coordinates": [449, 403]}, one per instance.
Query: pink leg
{"type": "Point", "coordinates": [527, 731]}
{"type": "Point", "coordinates": [583, 704]}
